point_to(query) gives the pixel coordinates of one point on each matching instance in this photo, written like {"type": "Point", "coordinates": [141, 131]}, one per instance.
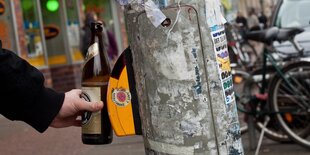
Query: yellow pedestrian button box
{"type": "Point", "coordinates": [122, 102]}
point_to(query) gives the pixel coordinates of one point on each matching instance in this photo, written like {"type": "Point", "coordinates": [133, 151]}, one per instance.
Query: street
{"type": "Point", "coordinates": [18, 138]}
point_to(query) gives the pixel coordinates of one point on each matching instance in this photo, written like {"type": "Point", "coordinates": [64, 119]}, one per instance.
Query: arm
{"type": "Point", "coordinates": [23, 95]}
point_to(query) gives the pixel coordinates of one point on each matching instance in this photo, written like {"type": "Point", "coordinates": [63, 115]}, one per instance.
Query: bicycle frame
{"type": "Point", "coordinates": [267, 57]}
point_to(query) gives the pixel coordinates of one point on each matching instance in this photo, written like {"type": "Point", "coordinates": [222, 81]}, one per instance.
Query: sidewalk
{"type": "Point", "coordinates": [19, 139]}
{"type": "Point", "coordinates": [270, 147]}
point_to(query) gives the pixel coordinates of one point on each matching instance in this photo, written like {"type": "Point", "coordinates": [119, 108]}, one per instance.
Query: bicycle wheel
{"type": "Point", "coordinates": [251, 87]}
{"type": "Point", "coordinates": [239, 77]}
{"type": "Point", "coordinates": [289, 97]}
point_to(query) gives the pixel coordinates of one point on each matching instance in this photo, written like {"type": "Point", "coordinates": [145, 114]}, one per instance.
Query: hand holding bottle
{"type": "Point", "coordinates": [73, 106]}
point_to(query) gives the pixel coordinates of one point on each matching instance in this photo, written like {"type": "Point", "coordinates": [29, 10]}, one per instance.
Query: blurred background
{"type": "Point", "coordinates": [47, 33]}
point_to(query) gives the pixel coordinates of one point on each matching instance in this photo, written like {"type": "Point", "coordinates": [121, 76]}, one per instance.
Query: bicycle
{"type": "Point", "coordinates": [241, 53]}
{"type": "Point", "coordinates": [257, 105]}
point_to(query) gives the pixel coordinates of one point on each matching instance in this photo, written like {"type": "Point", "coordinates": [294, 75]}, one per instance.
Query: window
{"type": "Point", "coordinates": [73, 30]}
{"type": "Point", "coordinates": [294, 13]}
{"type": "Point", "coordinates": [33, 44]}
{"type": "Point", "coordinates": [54, 32]}
{"type": "Point", "coordinates": [103, 10]}
{"type": "Point", "coordinates": [6, 26]}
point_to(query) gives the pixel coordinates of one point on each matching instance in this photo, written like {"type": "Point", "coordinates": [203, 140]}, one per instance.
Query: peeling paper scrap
{"type": "Point", "coordinates": [154, 13]}
{"type": "Point", "coordinates": [170, 148]}
{"type": "Point", "coordinates": [223, 20]}
{"type": "Point", "coordinates": [123, 2]}
{"type": "Point", "coordinates": [218, 13]}
{"type": "Point", "coordinates": [213, 13]}
{"type": "Point", "coordinates": [126, 2]}
{"type": "Point", "coordinates": [209, 13]}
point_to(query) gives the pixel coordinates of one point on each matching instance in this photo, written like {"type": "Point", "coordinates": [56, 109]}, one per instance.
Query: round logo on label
{"type": "Point", "coordinates": [85, 97]}
{"type": "Point", "coordinates": [86, 115]}
{"type": "Point", "coordinates": [121, 97]}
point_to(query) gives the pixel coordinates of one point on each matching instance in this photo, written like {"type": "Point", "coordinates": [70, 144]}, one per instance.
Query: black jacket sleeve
{"type": "Point", "coordinates": [23, 95]}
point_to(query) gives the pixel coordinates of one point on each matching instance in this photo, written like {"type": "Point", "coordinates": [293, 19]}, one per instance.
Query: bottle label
{"type": "Point", "coordinates": [92, 51]}
{"type": "Point", "coordinates": [91, 121]}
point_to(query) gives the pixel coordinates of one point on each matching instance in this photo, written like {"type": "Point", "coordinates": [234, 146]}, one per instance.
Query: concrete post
{"type": "Point", "coordinates": [183, 77]}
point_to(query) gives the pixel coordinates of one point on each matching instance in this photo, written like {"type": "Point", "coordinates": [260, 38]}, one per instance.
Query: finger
{"type": "Point", "coordinates": [77, 91]}
{"type": "Point", "coordinates": [89, 106]}
{"type": "Point", "coordinates": [77, 123]}
{"type": "Point", "coordinates": [66, 122]}
{"type": "Point", "coordinates": [80, 113]}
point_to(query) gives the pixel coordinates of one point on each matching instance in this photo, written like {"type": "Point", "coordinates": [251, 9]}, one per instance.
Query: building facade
{"type": "Point", "coordinates": [46, 33]}
{"type": "Point", "coordinates": [260, 5]}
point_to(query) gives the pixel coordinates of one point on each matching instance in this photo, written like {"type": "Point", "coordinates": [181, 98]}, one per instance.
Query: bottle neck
{"type": "Point", "coordinates": [97, 36]}
{"type": "Point", "coordinates": [103, 51]}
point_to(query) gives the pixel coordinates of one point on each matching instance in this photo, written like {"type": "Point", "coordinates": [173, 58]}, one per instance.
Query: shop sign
{"type": "Point", "coordinates": [51, 31]}
{"type": "Point", "coordinates": [2, 7]}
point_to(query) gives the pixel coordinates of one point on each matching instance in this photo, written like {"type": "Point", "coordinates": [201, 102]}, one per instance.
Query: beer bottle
{"type": "Point", "coordinates": [96, 126]}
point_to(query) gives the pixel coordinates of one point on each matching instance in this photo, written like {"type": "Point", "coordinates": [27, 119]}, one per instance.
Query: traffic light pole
{"type": "Point", "coordinates": [183, 77]}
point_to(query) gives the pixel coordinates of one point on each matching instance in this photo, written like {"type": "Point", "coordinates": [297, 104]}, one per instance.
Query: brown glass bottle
{"type": "Point", "coordinates": [96, 127]}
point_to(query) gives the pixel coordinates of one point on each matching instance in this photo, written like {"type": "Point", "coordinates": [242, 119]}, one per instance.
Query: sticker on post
{"type": "Point", "coordinates": [121, 97]}
{"type": "Point", "coordinates": [126, 2]}
{"type": "Point", "coordinates": [153, 13]}
{"type": "Point", "coordinates": [123, 2]}
{"type": "Point", "coordinates": [213, 13]}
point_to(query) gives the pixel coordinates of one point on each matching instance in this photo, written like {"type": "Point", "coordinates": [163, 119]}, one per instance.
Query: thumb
{"type": "Point", "coordinates": [89, 106]}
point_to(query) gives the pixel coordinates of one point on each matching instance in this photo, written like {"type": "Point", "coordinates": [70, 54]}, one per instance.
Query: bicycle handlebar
{"type": "Point", "coordinates": [272, 34]}
{"type": "Point", "coordinates": [297, 46]}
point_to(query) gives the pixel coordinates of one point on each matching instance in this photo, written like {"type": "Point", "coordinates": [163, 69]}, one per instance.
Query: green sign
{"type": "Point", "coordinates": [52, 5]}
